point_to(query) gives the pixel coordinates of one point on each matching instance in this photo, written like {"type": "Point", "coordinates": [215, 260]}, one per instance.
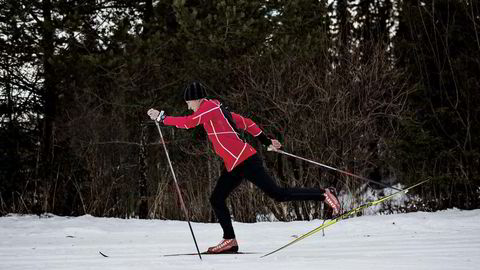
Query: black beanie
{"type": "Point", "coordinates": [195, 90]}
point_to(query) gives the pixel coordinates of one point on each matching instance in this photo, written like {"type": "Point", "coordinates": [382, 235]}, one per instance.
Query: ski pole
{"type": "Point", "coordinates": [332, 168]}
{"type": "Point", "coordinates": [178, 189]}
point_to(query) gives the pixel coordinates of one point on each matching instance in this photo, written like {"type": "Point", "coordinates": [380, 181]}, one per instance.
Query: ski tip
{"type": "Point", "coordinates": [106, 256]}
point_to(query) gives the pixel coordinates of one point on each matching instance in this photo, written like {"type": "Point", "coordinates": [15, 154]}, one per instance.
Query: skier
{"type": "Point", "coordinates": [240, 158]}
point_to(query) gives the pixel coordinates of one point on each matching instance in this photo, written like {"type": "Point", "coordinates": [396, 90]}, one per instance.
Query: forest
{"type": "Point", "coordinates": [385, 89]}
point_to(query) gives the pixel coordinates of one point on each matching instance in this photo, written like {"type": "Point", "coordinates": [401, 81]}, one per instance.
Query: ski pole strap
{"type": "Point", "coordinates": [332, 168]}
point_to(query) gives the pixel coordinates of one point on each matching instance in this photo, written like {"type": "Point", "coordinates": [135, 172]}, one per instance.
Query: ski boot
{"type": "Point", "coordinates": [225, 246]}
{"type": "Point", "coordinates": [332, 200]}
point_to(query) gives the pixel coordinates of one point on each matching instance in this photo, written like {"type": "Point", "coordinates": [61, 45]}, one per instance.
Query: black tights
{"type": "Point", "coordinates": [252, 169]}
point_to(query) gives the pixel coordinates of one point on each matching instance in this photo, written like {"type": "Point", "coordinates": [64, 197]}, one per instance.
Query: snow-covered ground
{"type": "Point", "coordinates": [442, 240]}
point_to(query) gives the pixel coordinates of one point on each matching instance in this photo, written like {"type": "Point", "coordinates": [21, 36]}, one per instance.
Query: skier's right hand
{"type": "Point", "coordinates": [274, 146]}
{"type": "Point", "coordinates": [156, 115]}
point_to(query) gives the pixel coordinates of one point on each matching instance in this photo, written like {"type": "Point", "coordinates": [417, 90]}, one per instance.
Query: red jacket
{"type": "Point", "coordinates": [226, 142]}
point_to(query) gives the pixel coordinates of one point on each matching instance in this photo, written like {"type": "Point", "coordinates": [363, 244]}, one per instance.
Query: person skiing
{"type": "Point", "coordinates": [240, 158]}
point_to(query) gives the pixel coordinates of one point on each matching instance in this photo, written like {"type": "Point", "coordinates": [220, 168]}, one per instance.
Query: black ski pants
{"type": "Point", "coordinates": [252, 169]}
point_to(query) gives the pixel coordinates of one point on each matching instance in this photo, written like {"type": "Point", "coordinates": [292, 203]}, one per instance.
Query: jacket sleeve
{"type": "Point", "coordinates": [251, 127]}
{"type": "Point", "coordinates": [246, 124]}
{"type": "Point", "coordinates": [190, 121]}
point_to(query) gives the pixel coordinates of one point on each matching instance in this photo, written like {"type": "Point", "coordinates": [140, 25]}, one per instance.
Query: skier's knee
{"type": "Point", "coordinates": [278, 196]}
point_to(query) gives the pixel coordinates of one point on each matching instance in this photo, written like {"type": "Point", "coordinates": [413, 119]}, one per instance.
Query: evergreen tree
{"type": "Point", "coordinates": [20, 86]}
{"type": "Point", "coordinates": [437, 43]}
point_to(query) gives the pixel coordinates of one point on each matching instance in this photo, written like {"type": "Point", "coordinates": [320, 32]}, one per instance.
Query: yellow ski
{"type": "Point", "coordinates": [343, 216]}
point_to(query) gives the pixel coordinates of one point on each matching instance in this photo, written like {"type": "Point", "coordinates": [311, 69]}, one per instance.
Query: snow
{"type": "Point", "coordinates": [442, 240]}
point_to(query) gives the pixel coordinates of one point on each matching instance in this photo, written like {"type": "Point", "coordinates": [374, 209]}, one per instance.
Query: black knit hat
{"type": "Point", "coordinates": [195, 90]}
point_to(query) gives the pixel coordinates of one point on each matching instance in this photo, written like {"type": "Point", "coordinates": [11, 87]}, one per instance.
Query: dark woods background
{"type": "Point", "coordinates": [385, 89]}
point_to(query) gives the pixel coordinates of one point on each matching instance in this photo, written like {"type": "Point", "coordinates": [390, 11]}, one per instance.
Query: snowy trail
{"type": "Point", "coordinates": [442, 240]}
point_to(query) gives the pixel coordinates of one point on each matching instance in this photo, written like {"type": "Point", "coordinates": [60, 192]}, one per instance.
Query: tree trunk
{"type": "Point", "coordinates": [142, 181]}
{"type": "Point", "coordinates": [49, 107]}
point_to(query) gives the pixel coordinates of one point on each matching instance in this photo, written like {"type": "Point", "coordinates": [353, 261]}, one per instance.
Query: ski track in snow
{"type": "Point", "coordinates": [441, 240]}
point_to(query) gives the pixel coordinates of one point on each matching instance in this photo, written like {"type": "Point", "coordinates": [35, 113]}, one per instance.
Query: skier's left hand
{"type": "Point", "coordinates": [274, 146]}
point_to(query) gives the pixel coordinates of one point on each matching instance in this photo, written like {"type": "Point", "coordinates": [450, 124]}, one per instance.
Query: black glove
{"type": "Point", "coordinates": [264, 139]}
